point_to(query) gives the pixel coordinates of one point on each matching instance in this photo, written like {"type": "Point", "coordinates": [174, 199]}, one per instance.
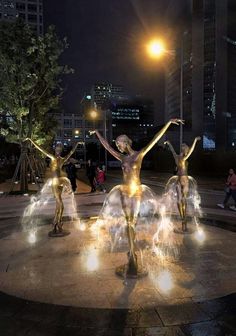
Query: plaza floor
{"type": "Point", "coordinates": [68, 286]}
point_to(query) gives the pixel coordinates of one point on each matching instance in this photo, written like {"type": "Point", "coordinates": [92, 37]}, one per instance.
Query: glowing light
{"type": "Point", "coordinates": [92, 262]}
{"type": "Point", "coordinates": [82, 227]}
{"type": "Point", "coordinates": [1, 192]}
{"type": "Point", "coordinates": [200, 235]}
{"type": "Point", "coordinates": [16, 182]}
{"type": "Point", "coordinates": [32, 237]}
{"type": "Point", "coordinates": [25, 194]}
{"type": "Point", "coordinates": [93, 114]}
{"type": "Point", "coordinates": [165, 281]}
{"type": "Point", "coordinates": [77, 132]}
{"type": "Point", "coordinates": [155, 48]}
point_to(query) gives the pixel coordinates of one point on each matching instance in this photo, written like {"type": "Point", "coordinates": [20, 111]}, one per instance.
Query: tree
{"type": "Point", "coordinates": [30, 84]}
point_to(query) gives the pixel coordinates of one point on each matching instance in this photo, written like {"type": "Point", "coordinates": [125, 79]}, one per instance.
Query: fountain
{"type": "Point", "coordinates": [181, 187]}
{"type": "Point", "coordinates": [130, 195]}
{"type": "Point", "coordinates": [58, 183]}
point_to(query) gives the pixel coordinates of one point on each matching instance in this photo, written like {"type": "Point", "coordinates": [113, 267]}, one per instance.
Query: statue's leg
{"type": "Point", "coordinates": [135, 208]}
{"type": "Point", "coordinates": [184, 191]}
{"type": "Point", "coordinates": [126, 203]}
{"type": "Point", "coordinates": [61, 209]}
{"type": "Point", "coordinates": [57, 191]}
{"type": "Point", "coordinates": [55, 187]}
{"type": "Point", "coordinates": [179, 199]}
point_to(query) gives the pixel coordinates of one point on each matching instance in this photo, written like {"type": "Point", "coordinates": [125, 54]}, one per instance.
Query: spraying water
{"type": "Point", "coordinates": [42, 205]}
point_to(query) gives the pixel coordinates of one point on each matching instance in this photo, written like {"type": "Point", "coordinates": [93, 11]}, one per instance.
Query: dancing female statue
{"type": "Point", "coordinates": [182, 183]}
{"type": "Point", "coordinates": [131, 190]}
{"type": "Point", "coordinates": [59, 181]}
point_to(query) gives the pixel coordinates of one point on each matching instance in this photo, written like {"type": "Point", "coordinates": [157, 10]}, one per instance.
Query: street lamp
{"type": "Point", "coordinates": [155, 49]}
{"type": "Point", "coordinates": [94, 115]}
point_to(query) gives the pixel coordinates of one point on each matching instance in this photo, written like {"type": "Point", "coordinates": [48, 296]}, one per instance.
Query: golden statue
{"type": "Point", "coordinates": [131, 190]}
{"type": "Point", "coordinates": [59, 181]}
{"type": "Point", "coordinates": [182, 180]}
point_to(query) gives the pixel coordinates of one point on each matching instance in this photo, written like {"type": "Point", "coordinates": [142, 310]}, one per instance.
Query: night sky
{"type": "Point", "coordinates": [106, 40]}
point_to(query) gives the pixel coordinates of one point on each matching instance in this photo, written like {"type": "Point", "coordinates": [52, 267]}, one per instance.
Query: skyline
{"type": "Point", "coordinates": [92, 26]}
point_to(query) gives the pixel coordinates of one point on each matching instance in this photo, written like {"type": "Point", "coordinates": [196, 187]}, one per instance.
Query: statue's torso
{"type": "Point", "coordinates": [56, 167]}
{"type": "Point", "coordinates": [182, 166]}
{"type": "Point", "coordinates": [131, 166]}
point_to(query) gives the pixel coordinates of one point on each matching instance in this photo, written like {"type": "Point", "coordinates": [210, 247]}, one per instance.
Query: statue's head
{"type": "Point", "coordinates": [184, 148]}
{"type": "Point", "coordinates": [122, 142]}
{"type": "Point", "coordinates": [58, 148]}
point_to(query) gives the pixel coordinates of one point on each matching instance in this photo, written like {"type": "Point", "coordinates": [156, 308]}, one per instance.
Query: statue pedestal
{"type": "Point", "coordinates": [57, 234]}
{"type": "Point", "coordinates": [124, 272]}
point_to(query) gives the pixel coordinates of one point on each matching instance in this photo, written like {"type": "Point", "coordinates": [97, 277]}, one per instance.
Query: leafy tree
{"type": "Point", "coordinates": [30, 84]}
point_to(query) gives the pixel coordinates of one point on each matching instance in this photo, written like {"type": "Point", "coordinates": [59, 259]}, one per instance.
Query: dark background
{"type": "Point", "coordinates": [107, 39]}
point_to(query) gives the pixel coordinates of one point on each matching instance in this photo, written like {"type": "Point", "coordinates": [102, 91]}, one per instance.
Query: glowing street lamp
{"type": "Point", "coordinates": [156, 48]}
{"type": "Point", "coordinates": [93, 114]}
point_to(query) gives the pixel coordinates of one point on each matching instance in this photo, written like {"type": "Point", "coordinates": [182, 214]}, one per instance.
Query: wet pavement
{"type": "Point", "coordinates": [67, 286]}
{"type": "Point", "coordinates": [211, 318]}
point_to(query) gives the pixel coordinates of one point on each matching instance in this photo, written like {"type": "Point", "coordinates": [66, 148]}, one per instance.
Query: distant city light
{"type": "Point", "coordinates": [88, 97]}
{"type": "Point", "coordinates": [93, 114]}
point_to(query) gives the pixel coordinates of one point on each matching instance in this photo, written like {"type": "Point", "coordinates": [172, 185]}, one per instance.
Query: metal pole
{"type": "Point", "coordinates": [84, 136]}
{"type": "Point", "coordinates": [181, 90]}
{"type": "Point", "coordinates": [105, 135]}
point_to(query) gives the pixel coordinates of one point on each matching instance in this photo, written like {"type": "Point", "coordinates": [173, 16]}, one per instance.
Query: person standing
{"type": "Point", "coordinates": [100, 178]}
{"type": "Point", "coordinates": [230, 190]}
{"type": "Point", "coordinates": [90, 172]}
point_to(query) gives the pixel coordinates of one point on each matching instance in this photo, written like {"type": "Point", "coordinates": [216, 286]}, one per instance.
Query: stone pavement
{"type": "Point", "coordinates": [67, 286]}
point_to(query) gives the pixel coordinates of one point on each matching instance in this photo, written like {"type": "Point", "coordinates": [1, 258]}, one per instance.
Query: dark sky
{"type": "Point", "coordinates": [106, 40]}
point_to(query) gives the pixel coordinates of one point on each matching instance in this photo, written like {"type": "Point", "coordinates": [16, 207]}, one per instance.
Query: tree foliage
{"type": "Point", "coordinates": [30, 81]}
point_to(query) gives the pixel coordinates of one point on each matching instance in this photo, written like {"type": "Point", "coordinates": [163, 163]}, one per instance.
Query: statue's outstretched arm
{"type": "Point", "coordinates": [171, 148]}
{"type": "Point", "coordinates": [43, 151]}
{"type": "Point", "coordinates": [107, 146]}
{"type": "Point", "coordinates": [157, 137]}
{"type": "Point", "coordinates": [192, 147]}
{"type": "Point", "coordinates": [70, 153]}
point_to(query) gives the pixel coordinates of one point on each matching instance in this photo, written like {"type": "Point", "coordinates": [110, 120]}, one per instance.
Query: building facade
{"type": "Point", "coordinates": [132, 116]}
{"type": "Point", "coordinates": [31, 11]}
{"type": "Point", "coordinates": [209, 72]}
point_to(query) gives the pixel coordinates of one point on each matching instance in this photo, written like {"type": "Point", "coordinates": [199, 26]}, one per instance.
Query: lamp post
{"type": "Point", "coordinates": [105, 135]}
{"type": "Point", "coordinates": [94, 115]}
{"type": "Point", "coordinates": [156, 49]}
{"type": "Point", "coordinates": [181, 92]}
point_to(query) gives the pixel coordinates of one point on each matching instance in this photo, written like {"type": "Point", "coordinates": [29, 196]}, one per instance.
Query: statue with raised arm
{"type": "Point", "coordinates": [59, 181]}
{"type": "Point", "coordinates": [130, 192]}
{"type": "Point", "coordinates": [182, 179]}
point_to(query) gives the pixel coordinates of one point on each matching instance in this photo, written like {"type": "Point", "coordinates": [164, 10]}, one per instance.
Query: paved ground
{"type": "Point", "coordinates": [195, 298]}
